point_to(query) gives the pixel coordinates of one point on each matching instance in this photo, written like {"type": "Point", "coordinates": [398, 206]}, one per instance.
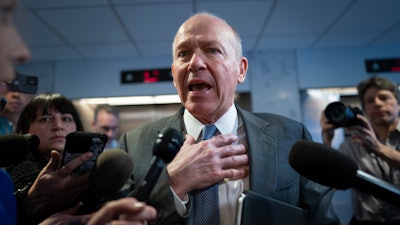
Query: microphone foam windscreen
{"type": "Point", "coordinates": [323, 164]}
{"type": "Point", "coordinates": [112, 169]}
{"type": "Point", "coordinates": [14, 147]}
{"type": "Point", "coordinates": [168, 144]}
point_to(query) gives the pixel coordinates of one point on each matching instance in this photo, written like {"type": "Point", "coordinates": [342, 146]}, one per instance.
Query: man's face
{"type": "Point", "coordinates": [106, 123]}
{"type": "Point", "coordinates": [380, 106]}
{"type": "Point", "coordinates": [206, 67]}
{"type": "Point", "coordinates": [12, 48]}
{"type": "Point", "coordinates": [16, 101]}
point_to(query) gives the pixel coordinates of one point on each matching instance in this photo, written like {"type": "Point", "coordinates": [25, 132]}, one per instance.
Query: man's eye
{"type": "Point", "coordinates": [182, 54]}
{"type": "Point", "coordinates": [213, 51]}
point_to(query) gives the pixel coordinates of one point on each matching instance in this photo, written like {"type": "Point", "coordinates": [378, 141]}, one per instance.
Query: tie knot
{"type": "Point", "coordinates": [208, 131]}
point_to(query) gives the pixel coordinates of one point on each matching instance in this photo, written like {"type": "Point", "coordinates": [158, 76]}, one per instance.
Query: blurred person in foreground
{"type": "Point", "coordinates": [13, 51]}
{"type": "Point", "coordinates": [249, 151]}
{"type": "Point", "coordinates": [374, 144]}
{"type": "Point", "coordinates": [16, 101]}
{"type": "Point", "coordinates": [106, 120]}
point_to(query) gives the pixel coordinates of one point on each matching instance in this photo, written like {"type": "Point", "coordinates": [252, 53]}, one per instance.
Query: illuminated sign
{"type": "Point", "coordinates": [382, 65]}
{"type": "Point", "coordinates": [145, 76]}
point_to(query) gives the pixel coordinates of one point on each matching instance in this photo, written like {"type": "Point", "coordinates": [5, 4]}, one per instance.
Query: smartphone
{"type": "Point", "coordinates": [24, 83]}
{"type": "Point", "coordinates": [80, 142]}
{"type": "Point", "coordinates": [239, 209]}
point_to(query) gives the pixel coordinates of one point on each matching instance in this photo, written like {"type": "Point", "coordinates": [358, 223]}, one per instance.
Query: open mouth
{"type": "Point", "coordinates": [199, 87]}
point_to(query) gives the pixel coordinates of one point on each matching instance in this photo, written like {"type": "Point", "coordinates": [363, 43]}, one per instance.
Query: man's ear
{"type": "Point", "coordinates": [243, 66]}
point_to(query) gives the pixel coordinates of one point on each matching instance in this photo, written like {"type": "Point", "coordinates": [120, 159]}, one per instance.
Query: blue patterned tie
{"type": "Point", "coordinates": [206, 202]}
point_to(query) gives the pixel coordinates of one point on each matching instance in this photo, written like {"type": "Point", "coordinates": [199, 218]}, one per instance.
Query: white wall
{"type": "Point", "coordinates": [340, 67]}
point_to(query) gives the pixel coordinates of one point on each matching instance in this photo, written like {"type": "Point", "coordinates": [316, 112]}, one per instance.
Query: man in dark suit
{"type": "Point", "coordinates": [248, 152]}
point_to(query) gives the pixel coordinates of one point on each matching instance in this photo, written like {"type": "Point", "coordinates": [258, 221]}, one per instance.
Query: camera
{"type": "Point", "coordinates": [341, 115]}
{"type": "Point", "coordinates": [24, 83]}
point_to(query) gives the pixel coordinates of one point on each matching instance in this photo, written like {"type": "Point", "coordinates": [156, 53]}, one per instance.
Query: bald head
{"type": "Point", "coordinates": [208, 21]}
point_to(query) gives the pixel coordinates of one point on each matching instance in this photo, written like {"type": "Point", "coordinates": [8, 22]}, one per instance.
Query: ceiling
{"type": "Point", "coordinates": [57, 30]}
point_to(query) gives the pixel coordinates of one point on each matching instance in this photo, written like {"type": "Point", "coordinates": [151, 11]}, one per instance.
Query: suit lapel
{"type": "Point", "coordinates": [262, 153]}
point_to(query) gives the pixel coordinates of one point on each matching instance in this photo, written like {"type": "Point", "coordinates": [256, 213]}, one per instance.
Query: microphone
{"type": "Point", "coordinates": [332, 168]}
{"type": "Point", "coordinates": [14, 147]}
{"type": "Point", "coordinates": [108, 175]}
{"type": "Point", "coordinates": [165, 148]}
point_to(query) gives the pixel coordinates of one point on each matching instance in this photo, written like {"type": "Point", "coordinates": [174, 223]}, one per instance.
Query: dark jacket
{"type": "Point", "coordinates": [270, 138]}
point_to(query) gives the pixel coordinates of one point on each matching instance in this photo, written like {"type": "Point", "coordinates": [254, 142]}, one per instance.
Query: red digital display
{"type": "Point", "coordinates": [382, 65]}
{"type": "Point", "coordinates": [146, 76]}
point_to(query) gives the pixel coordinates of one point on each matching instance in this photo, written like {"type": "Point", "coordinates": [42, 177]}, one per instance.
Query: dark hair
{"type": "Point", "coordinates": [42, 103]}
{"type": "Point", "coordinates": [380, 83]}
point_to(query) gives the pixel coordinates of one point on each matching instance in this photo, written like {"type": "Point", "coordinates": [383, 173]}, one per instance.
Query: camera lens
{"type": "Point", "coordinates": [339, 114]}
{"type": "Point", "coordinates": [336, 112]}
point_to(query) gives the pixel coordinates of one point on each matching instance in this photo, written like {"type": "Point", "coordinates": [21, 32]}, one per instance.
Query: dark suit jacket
{"type": "Point", "coordinates": [270, 138]}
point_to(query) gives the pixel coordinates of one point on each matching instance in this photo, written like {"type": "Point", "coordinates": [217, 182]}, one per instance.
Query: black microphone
{"type": "Point", "coordinates": [332, 168]}
{"type": "Point", "coordinates": [14, 147]}
{"type": "Point", "coordinates": [108, 175]}
{"type": "Point", "coordinates": [165, 148]}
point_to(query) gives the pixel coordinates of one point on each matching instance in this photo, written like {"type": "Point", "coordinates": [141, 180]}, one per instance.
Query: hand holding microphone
{"type": "Point", "coordinates": [165, 148]}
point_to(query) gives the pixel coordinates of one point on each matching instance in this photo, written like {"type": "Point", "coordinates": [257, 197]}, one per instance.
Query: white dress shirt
{"type": "Point", "coordinates": [229, 191]}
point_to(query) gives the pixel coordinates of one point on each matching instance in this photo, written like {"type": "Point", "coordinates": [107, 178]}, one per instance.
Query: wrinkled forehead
{"type": "Point", "coordinates": [202, 23]}
{"type": "Point", "coordinates": [203, 27]}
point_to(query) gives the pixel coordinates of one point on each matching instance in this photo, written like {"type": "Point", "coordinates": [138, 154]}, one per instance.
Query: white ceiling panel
{"type": "Point", "coordinates": [85, 25]}
{"type": "Point", "coordinates": [55, 54]}
{"type": "Point", "coordinates": [303, 17]}
{"type": "Point", "coordinates": [153, 22]}
{"type": "Point", "coordinates": [248, 24]}
{"type": "Point", "coordinates": [285, 42]}
{"type": "Point", "coordinates": [34, 31]}
{"type": "Point", "coordinates": [40, 4]}
{"type": "Point", "coordinates": [117, 29]}
{"type": "Point", "coordinates": [156, 48]}
{"type": "Point", "coordinates": [346, 40]}
{"type": "Point", "coordinates": [369, 15]}
{"type": "Point", "coordinates": [123, 50]}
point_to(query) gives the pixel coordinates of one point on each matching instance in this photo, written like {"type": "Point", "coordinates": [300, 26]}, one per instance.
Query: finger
{"type": "Point", "coordinates": [124, 207]}
{"type": "Point", "coordinates": [53, 164]}
{"type": "Point", "coordinates": [223, 139]}
{"type": "Point", "coordinates": [73, 209]}
{"type": "Point", "coordinates": [73, 164]}
{"type": "Point", "coordinates": [143, 213]}
{"type": "Point", "coordinates": [236, 173]}
{"type": "Point", "coordinates": [78, 183]}
{"type": "Point", "coordinates": [126, 222]}
{"type": "Point", "coordinates": [230, 150]}
{"type": "Point", "coordinates": [189, 140]}
{"type": "Point", "coordinates": [56, 157]}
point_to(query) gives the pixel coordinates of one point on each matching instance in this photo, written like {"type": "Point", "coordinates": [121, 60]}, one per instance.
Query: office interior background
{"type": "Point", "coordinates": [302, 54]}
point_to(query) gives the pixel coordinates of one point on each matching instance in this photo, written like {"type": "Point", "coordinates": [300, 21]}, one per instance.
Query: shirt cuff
{"type": "Point", "coordinates": [179, 204]}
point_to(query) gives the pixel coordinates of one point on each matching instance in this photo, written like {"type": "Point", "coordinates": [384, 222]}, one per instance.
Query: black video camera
{"type": "Point", "coordinates": [24, 83]}
{"type": "Point", "coordinates": [341, 115]}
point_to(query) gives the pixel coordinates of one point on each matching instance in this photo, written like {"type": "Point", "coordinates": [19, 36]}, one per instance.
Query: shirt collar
{"type": "Point", "coordinates": [227, 124]}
